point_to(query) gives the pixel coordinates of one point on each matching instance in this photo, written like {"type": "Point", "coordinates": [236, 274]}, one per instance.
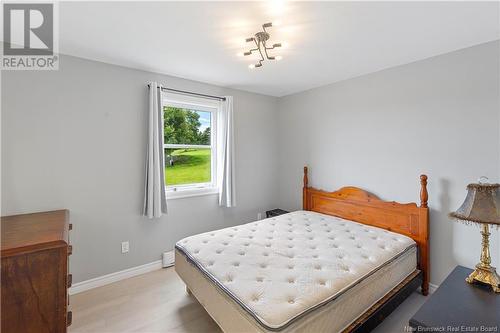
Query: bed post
{"type": "Point", "coordinates": [424, 243]}
{"type": "Point", "coordinates": [304, 190]}
{"type": "Point", "coordinates": [424, 196]}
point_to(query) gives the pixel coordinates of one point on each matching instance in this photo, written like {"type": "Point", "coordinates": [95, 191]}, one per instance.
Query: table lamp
{"type": "Point", "coordinates": [482, 206]}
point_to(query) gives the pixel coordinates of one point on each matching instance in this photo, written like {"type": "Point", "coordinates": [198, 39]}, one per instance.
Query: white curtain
{"type": "Point", "coordinates": [225, 154]}
{"type": "Point", "coordinates": [155, 199]}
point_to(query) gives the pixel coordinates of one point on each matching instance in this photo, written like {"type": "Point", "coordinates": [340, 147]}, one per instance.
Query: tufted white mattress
{"type": "Point", "coordinates": [281, 269]}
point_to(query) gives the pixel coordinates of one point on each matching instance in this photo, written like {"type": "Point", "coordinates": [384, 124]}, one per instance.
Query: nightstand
{"type": "Point", "coordinates": [457, 306]}
{"type": "Point", "coordinates": [275, 212]}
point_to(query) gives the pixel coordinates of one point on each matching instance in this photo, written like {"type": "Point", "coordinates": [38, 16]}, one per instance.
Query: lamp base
{"type": "Point", "coordinates": [486, 275]}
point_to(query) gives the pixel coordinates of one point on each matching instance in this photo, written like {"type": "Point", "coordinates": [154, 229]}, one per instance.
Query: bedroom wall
{"type": "Point", "coordinates": [75, 138]}
{"type": "Point", "coordinates": [439, 116]}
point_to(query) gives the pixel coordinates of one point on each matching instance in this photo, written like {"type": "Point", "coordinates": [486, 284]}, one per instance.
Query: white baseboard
{"type": "Point", "coordinates": [432, 288]}
{"type": "Point", "coordinates": [114, 277]}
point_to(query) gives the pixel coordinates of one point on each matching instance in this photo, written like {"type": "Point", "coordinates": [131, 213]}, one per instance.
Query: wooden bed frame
{"type": "Point", "coordinates": [355, 204]}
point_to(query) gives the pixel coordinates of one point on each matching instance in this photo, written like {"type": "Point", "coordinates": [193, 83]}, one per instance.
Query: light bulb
{"type": "Point", "coordinates": [278, 58]}
{"type": "Point", "coordinates": [251, 66]}
{"type": "Point", "coordinates": [239, 54]}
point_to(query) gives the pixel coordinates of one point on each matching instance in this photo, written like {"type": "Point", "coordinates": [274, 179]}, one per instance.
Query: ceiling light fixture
{"type": "Point", "coordinates": [260, 39]}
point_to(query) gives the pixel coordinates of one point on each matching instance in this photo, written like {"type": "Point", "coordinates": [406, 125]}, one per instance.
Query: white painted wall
{"type": "Point", "coordinates": [439, 116]}
{"type": "Point", "coordinates": [75, 138]}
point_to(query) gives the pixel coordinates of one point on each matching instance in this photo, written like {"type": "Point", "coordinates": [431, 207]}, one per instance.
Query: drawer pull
{"type": "Point", "coordinates": [70, 280]}
{"type": "Point", "coordinates": [70, 250]}
{"type": "Point", "coordinates": [69, 318]}
{"type": "Point", "coordinates": [70, 226]}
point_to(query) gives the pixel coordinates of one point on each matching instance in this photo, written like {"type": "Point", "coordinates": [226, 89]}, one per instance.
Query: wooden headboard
{"type": "Point", "coordinates": [355, 204]}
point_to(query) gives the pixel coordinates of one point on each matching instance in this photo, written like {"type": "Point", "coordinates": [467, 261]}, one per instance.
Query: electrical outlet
{"type": "Point", "coordinates": [125, 247]}
{"type": "Point", "coordinates": [259, 216]}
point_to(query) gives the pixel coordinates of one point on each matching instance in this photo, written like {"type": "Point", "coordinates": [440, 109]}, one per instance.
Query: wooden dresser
{"type": "Point", "coordinates": [35, 280]}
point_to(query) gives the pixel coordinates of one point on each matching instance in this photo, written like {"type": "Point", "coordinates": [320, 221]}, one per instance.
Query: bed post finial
{"type": "Point", "coordinates": [306, 180]}
{"type": "Point", "coordinates": [424, 196]}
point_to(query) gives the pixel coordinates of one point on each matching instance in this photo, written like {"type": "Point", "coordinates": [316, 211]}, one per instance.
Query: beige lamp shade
{"type": "Point", "coordinates": [482, 204]}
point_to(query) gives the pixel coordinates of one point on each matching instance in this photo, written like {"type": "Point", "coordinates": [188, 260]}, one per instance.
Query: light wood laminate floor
{"type": "Point", "coordinates": [158, 302]}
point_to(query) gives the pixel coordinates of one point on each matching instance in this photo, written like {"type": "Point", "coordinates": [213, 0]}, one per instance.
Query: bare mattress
{"type": "Point", "coordinates": [302, 271]}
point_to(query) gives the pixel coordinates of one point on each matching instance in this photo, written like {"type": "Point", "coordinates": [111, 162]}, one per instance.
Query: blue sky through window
{"type": "Point", "coordinates": [204, 120]}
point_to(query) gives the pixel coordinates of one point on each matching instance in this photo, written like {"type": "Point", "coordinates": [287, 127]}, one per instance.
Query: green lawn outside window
{"type": "Point", "coordinates": [190, 166]}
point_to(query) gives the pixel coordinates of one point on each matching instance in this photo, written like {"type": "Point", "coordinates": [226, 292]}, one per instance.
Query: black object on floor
{"type": "Point", "coordinates": [275, 212]}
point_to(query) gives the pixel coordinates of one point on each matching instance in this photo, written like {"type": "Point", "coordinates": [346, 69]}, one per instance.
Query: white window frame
{"type": "Point", "coordinates": [198, 104]}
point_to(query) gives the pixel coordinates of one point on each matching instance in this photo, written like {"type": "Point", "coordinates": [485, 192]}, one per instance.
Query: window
{"type": "Point", "coordinates": [189, 145]}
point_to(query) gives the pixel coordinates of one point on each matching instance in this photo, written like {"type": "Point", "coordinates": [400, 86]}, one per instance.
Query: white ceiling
{"type": "Point", "coordinates": [328, 41]}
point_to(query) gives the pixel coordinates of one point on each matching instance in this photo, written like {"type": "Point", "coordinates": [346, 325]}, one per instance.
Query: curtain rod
{"type": "Point", "coordinates": [193, 93]}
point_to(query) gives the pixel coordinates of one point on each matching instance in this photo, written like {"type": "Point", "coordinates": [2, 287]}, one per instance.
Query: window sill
{"type": "Point", "coordinates": [188, 193]}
